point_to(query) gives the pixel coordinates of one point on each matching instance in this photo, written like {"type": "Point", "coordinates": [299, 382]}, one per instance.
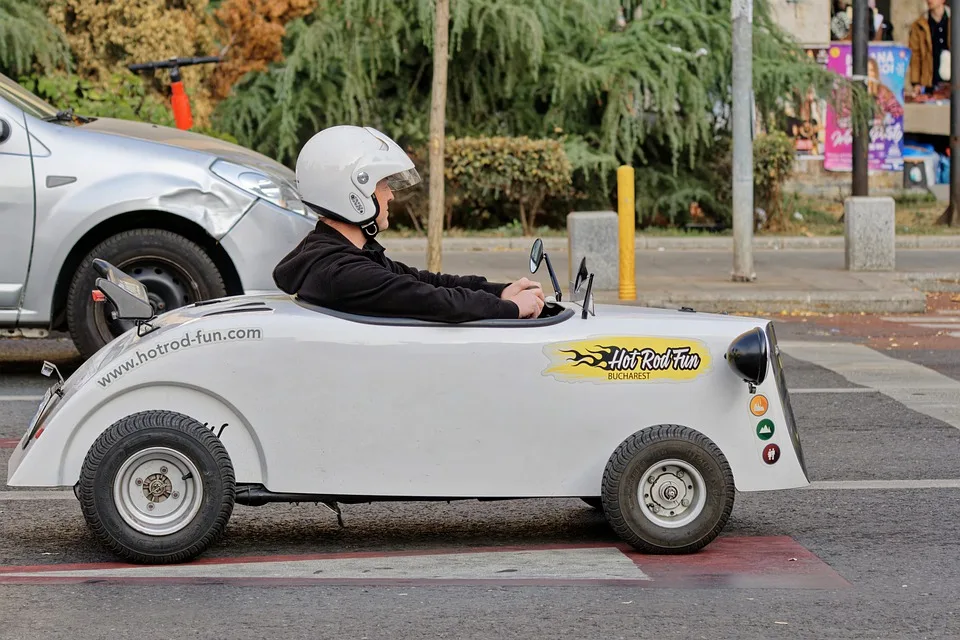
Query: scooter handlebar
{"type": "Point", "coordinates": [172, 63]}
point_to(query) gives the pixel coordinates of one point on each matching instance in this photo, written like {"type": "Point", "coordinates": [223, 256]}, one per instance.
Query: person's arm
{"type": "Point", "coordinates": [354, 284]}
{"type": "Point", "coordinates": [476, 283]}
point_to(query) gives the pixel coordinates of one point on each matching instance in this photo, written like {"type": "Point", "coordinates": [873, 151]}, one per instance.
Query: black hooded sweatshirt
{"type": "Point", "coordinates": [328, 270]}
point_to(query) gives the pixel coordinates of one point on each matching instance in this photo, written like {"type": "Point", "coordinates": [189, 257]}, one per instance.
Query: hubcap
{"type": "Point", "coordinates": [672, 493]}
{"type": "Point", "coordinates": [158, 491]}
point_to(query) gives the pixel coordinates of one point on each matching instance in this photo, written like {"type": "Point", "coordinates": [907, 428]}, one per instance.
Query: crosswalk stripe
{"type": "Point", "coordinates": [21, 398]}
{"type": "Point", "coordinates": [916, 387]}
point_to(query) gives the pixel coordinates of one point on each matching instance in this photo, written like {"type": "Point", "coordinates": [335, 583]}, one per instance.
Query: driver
{"type": "Point", "coordinates": [347, 175]}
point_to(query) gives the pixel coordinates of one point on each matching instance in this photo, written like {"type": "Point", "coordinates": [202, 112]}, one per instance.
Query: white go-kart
{"type": "Point", "coordinates": [655, 416]}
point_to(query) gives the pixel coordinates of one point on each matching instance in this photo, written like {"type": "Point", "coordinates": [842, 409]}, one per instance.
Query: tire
{"type": "Point", "coordinates": [175, 271]}
{"type": "Point", "coordinates": [705, 481]}
{"type": "Point", "coordinates": [158, 448]}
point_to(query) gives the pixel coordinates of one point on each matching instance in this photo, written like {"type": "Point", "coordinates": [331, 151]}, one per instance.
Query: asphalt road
{"type": "Point", "coordinates": [880, 562]}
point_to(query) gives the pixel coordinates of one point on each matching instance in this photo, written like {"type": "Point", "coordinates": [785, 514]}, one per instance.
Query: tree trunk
{"type": "Point", "coordinates": [437, 124]}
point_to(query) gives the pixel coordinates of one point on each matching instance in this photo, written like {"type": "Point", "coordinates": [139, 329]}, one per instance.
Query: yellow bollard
{"type": "Point", "coordinates": [627, 214]}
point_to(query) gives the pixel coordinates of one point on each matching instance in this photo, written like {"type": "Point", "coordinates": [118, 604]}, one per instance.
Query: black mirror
{"type": "Point", "coordinates": [581, 274]}
{"type": "Point", "coordinates": [4, 130]}
{"type": "Point", "coordinates": [536, 255]}
{"type": "Point", "coordinates": [128, 295]}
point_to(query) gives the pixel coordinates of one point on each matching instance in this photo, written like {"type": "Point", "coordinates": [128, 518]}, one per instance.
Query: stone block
{"type": "Point", "coordinates": [596, 236]}
{"type": "Point", "coordinates": [870, 233]}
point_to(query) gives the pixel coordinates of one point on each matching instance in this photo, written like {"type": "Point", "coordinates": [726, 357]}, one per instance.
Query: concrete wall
{"type": "Point", "coordinates": [808, 21]}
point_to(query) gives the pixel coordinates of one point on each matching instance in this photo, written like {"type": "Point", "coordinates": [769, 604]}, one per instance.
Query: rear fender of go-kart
{"type": "Point", "coordinates": [64, 450]}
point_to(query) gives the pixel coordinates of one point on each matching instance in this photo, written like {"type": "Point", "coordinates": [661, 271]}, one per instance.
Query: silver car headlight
{"type": "Point", "coordinates": [259, 184]}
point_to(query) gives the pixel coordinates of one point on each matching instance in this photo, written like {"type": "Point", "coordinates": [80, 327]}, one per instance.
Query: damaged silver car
{"type": "Point", "coordinates": [189, 216]}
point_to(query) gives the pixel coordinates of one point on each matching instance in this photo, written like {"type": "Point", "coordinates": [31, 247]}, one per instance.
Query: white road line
{"type": "Point", "coordinates": [583, 564]}
{"type": "Point", "coordinates": [21, 398]}
{"type": "Point", "coordinates": [832, 485]}
{"type": "Point", "coordinates": [835, 390]}
{"type": "Point", "coordinates": [919, 320]}
{"type": "Point", "coordinates": [19, 496]}
{"type": "Point", "coordinates": [916, 387]}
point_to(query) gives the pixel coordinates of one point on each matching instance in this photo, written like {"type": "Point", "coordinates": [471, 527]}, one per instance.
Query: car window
{"type": "Point", "coordinates": [23, 99]}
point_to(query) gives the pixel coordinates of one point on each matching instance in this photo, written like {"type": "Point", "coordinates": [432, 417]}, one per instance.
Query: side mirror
{"type": "Point", "coordinates": [536, 255]}
{"type": "Point", "coordinates": [129, 296]}
{"type": "Point", "coordinates": [581, 274]}
{"type": "Point", "coordinates": [4, 131]}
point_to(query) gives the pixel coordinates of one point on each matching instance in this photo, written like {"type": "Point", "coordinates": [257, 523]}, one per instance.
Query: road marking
{"type": "Point", "coordinates": [920, 320]}
{"type": "Point", "coordinates": [14, 496]}
{"type": "Point", "coordinates": [846, 485]}
{"type": "Point", "coordinates": [835, 390]}
{"type": "Point", "coordinates": [916, 387]}
{"type": "Point", "coordinates": [9, 443]}
{"type": "Point", "coordinates": [21, 398]}
{"type": "Point", "coordinates": [737, 562]}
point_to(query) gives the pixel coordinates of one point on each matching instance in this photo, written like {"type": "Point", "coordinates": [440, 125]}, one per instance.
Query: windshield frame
{"type": "Point", "coordinates": [21, 98]}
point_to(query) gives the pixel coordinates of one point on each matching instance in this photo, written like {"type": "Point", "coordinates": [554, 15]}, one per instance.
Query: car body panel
{"type": "Point", "coordinates": [16, 210]}
{"type": "Point", "coordinates": [317, 403]}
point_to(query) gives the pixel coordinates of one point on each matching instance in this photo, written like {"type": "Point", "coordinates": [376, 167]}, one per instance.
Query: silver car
{"type": "Point", "coordinates": [191, 217]}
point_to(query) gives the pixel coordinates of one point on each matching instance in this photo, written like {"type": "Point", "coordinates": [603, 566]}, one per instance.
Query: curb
{"type": "Point", "coordinates": [773, 303]}
{"type": "Point", "coordinates": [641, 242]}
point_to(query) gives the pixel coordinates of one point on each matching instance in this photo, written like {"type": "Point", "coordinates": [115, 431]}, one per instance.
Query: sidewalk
{"type": "Point", "coordinates": [791, 280]}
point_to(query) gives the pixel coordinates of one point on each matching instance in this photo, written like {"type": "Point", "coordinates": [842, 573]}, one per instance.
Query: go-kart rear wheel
{"type": "Point", "coordinates": [668, 489]}
{"type": "Point", "coordinates": [157, 487]}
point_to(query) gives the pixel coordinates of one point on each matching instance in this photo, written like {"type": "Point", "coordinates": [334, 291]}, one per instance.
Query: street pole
{"type": "Point", "coordinates": [742, 14]}
{"type": "Point", "coordinates": [954, 114]}
{"type": "Point", "coordinates": [861, 137]}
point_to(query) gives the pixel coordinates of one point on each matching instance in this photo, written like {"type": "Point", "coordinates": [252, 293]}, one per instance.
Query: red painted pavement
{"type": "Point", "coordinates": [728, 562]}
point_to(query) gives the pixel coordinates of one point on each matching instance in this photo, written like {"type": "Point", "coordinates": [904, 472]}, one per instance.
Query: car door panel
{"type": "Point", "coordinates": [16, 211]}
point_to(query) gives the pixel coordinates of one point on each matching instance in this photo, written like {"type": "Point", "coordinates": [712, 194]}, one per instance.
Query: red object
{"type": "Point", "coordinates": [98, 296]}
{"type": "Point", "coordinates": [771, 453]}
{"type": "Point", "coordinates": [181, 106]}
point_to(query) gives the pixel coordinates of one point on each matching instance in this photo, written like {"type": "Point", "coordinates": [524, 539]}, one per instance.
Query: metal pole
{"type": "Point", "coordinates": [742, 14]}
{"type": "Point", "coordinates": [861, 137]}
{"type": "Point", "coordinates": [954, 114]}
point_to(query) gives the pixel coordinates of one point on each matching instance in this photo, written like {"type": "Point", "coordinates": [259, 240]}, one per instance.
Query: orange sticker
{"type": "Point", "coordinates": [759, 405]}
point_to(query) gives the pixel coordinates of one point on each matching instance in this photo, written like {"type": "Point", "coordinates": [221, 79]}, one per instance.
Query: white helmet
{"type": "Point", "coordinates": [338, 170]}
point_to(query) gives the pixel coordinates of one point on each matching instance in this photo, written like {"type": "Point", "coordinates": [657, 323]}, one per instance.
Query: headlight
{"type": "Point", "coordinates": [257, 183]}
{"type": "Point", "coordinates": [747, 356]}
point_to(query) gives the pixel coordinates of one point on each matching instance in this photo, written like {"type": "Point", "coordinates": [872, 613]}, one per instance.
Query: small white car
{"type": "Point", "coordinates": [654, 416]}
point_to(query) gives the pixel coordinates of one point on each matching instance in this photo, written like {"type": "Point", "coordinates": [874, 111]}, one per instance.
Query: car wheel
{"type": "Point", "coordinates": [157, 487]}
{"type": "Point", "coordinates": [174, 270]}
{"type": "Point", "coordinates": [668, 489]}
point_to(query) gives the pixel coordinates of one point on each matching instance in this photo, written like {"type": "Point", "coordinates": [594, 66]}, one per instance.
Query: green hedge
{"type": "Point", "coordinates": [493, 182]}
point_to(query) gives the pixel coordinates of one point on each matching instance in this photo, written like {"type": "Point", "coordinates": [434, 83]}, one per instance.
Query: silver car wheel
{"type": "Point", "coordinates": [158, 491]}
{"type": "Point", "coordinates": [672, 493]}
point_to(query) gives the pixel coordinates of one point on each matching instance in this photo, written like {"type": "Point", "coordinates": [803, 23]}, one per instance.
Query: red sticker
{"type": "Point", "coordinates": [771, 453]}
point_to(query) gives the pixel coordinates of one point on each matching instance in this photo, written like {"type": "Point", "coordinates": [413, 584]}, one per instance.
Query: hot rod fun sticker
{"type": "Point", "coordinates": [627, 359]}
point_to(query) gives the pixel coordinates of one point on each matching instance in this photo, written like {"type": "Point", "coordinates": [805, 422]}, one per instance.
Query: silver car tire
{"type": "Point", "coordinates": [175, 270]}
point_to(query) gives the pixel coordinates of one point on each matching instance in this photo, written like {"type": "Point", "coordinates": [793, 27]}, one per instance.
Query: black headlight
{"type": "Point", "coordinates": [747, 356]}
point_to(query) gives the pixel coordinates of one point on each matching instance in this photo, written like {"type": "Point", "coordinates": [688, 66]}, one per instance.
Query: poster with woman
{"type": "Point", "coordinates": [886, 71]}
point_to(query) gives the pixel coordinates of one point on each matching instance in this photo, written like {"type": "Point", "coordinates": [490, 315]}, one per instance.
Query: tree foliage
{"type": "Point", "coordinates": [27, 38]}
{"type": "Point", "coordinates": [653, 92]}
{"type": "Point", "coordinates": [105, 36]}
{"type": "Point", "coordinates": [254, 30]}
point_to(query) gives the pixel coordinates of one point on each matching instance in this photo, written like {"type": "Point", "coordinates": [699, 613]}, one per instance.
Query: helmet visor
{"type": "Point", "coordinates": [403, 180]}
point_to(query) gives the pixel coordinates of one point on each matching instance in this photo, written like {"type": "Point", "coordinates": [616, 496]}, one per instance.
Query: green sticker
{"type": "Point", "coordinates": [765, 429]}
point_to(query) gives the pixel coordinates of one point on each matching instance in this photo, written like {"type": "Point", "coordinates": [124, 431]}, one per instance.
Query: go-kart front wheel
{"type": "Point", "coordinates": [668, 489]}
{"type": "Point", "coordinates": [157, 487]}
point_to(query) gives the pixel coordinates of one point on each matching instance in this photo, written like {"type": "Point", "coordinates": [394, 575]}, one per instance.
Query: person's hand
{"type": "Point", "coordinates": [518, 286]}
{"type": "Point", "coordinates": [530, 302]}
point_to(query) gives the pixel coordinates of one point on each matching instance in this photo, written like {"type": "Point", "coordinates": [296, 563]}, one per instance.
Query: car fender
{"type": "Point", "coordinates": [195, 195]}
{"type": "Point", "coordinates": [70, 434]}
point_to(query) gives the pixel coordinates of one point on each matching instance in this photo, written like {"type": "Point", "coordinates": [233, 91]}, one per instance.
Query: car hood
{"type": "Point", "coordinates": [189, 140]}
